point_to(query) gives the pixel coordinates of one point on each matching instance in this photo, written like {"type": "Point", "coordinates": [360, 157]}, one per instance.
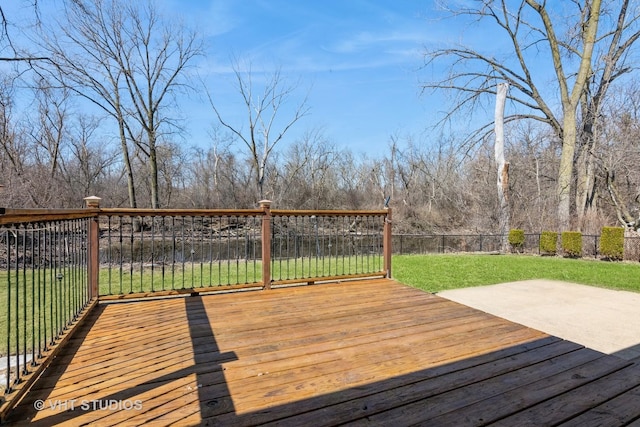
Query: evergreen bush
{"type": "Point", "coordinates": [572, 244]}
{"type": "Point", "coordinates": [549, 243]}
{"type": "Point", "coordinates": [612, 243]}
{"type": "Point", "coordinates": [516, 239]}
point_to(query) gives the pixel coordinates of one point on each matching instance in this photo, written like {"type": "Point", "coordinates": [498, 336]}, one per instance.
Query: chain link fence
{"type": "Point", "coordinates": [632, 248]}
{"type": "Point", "coordinates": [405, 244]}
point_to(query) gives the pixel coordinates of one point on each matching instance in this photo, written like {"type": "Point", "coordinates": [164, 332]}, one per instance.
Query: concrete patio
{"type": "Point", "coordinates": [602, 319]}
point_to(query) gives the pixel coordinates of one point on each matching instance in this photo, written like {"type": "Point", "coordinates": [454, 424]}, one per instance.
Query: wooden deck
{"type": "Point", "coordinates": [369, 352]}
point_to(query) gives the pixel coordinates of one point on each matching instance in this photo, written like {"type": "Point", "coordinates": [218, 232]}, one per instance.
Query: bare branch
{"type": "Point", "coordinates": [265, 130]}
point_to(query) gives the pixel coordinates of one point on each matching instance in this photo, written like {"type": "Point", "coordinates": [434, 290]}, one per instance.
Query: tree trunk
{"type": "Point", "coordinates": [585, 182]}
{"type": "Point", "coordinates": [153, 166]}
{"type": "Point", "coordinates": [565, 171]}
{"type": "Point", "coordinates": [133, 203]}
{"type": "Point", "coordinates": [503, 167]}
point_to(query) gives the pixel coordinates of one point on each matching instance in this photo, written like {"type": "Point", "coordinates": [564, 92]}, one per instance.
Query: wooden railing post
{"type": "Point", "coordinates": [386, 242]}
{"type": "Point", "coordinates": [266, 243]}
{"type": "Point", "coordinates": [93, 247]}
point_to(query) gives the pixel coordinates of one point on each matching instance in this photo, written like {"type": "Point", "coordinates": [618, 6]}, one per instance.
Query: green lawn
{"type": "Point", "coordinates": [434, 273]}
{"type": "Point", "coordinates": [132, 279]}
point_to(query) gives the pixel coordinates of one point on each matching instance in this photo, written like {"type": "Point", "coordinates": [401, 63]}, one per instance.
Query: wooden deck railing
{"type": "Point", "coordinates": [56, 264]}
{"type": "Point", "coordinates": [157, 252]}
{"type": "Point", "coordinates": [44, 290]}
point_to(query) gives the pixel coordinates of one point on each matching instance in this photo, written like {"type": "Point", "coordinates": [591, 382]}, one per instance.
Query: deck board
{"type": "Point", "coordinates": [371, 352]}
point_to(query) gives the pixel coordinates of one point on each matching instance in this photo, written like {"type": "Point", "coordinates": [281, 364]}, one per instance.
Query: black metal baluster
{"type": "Point", "coordinates": [228, 257]}
{"type": "Point", "coordinates": [201, 255]}
{"type": "Point", "coordinates": [41, 236]}
{"type": "Point", "coordinates": [25, 371]}
{"type": "Point", "coordinates": [183, 256]}
{"type": "Point", "coordinates": [153, 252]}
{"type": "Point", "coordinates": [17, 306]}
{"type": "Point", "coordinates": [173, 260]}
{"type": "Point", "coordinates": [282, 244]}
{"type": "Point", "coordinates": [192, 251]}
{"type": "Point", "coordinates": [322, 242]}
{"type": "Point", "coordinates": [237, 250]}
{"type": "Point", "coordinates": [300, 233]}
{"type": "Point", "coordinates": [164, 252]}
{"type": "Point", "coordinates": [73, 272]}
{"type": "Point", "coordinates": [59, 277]}
{"type": "Point", "coordinates": [82, 269]}
{"type": "Point", "coordinates": [77, 268]}
{"type": "Point", "coordinates": [310, 244]}
{"type": "Point", "coordinates": [219, 247]}
{"type": "Point", "coordinates": [344, 249]}
{"type": "Point", "coordinates": [109, 254]}
{"type": "Point", "coordinates": [210, 240]}
{"type": "Point", "coordinates": [8, 239]}
{"type": "Point", "coordinates": [52, 282]}
{"type": "Point", "coordinates": [366, 261]}
{"type": "Point", "coordinates": [47, 265]}
{"type": "Point", "coordinates": [141, 255]}
{"type": "Point", "coordinates": [33, 293]}
{"type": "Point", "coordinates": [131, 258]}
{"type": "Point", "coordinates": [121, 267]}
{"type": "Point", "coordinates": [64, 313]}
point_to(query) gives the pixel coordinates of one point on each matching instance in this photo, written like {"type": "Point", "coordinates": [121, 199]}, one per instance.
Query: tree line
{"type": "Point", "coordinates": [572, 145]}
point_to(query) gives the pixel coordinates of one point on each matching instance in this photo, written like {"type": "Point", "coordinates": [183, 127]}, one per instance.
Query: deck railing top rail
{"type": "Point", "coordinates": [238, 212]}
{"type": "Point", "coordinates": [328, 212]}
{"type": "Point", "coordinates": [178, 212]}
{"type": "Point", "coordinates": [25, 216]}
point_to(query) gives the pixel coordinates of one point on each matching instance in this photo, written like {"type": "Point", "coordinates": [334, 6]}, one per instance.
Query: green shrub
{"type": "Point", "coordinates": [516, 239]}
{"type": "Point", "coordinates": [572, 244]}
{"type": "Point", "coordinates": [549, 243]}
{"type": "Point", "coordinates": [612, 243]}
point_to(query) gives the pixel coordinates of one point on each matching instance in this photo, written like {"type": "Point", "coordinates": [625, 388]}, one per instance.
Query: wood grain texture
{"type": "Point", "coordinates": [371, 352]}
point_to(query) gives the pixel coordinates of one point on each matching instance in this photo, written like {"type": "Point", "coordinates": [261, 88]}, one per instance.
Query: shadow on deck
{"type": "Point", "coordinates": [367, 352]}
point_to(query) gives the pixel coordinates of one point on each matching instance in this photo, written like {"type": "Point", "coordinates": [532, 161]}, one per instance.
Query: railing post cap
{"type": "Point", "coordinates": [92, 201]}
{"type": "Point", "coordinates": [265, 203]}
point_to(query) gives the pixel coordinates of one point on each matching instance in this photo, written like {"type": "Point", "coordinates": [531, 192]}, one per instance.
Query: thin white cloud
{"type": "Point", "coordinates": [212, 18]}
{"type": "Point", "coordinates": [314, 39]}
{"type": "Point", "coordinates": [219, 18]}
{"type": "Point", "coordinates": [367, 40]}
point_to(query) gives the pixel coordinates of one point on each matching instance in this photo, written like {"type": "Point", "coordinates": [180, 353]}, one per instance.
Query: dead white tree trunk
{"type": "Point", "coordinates": [502, 166]}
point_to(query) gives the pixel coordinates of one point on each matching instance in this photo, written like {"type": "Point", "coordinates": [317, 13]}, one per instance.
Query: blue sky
{"type": "Point", "coordinates": [358, 60]}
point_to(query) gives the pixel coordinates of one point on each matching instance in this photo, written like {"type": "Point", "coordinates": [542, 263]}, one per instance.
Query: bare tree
{"type": "Point", "coordinates": [84, 56]}
{"type": "Point", "coordinates": [124, 59]}
{"type": "Point", "coordinates": [305, 176]}
{"type": "Point", "coordinates": [265, 126]}
{"type": "Point", "coordinates": [87, 164]}
{"type": "Point", "coordinates": [10, 51]}
{"type": "Point", "coordinates": [573, 45]}
{"type": "Point", "coordinates": [501, 165]}
{"type": "Point", "coordinates": [50, 132]}
{"type": "Point", "coordinates": [619, 155]}
{"type": "Point", "coordinates": [533, 156]}
{"type": "Point", "coordinates": [153, 57]}
{"type": "Point", "coordinates": [14, 149]}
{"type": "Point", "coordinates": [210, 173]}
{"type": "Point", "coordinates": [610, 62]}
